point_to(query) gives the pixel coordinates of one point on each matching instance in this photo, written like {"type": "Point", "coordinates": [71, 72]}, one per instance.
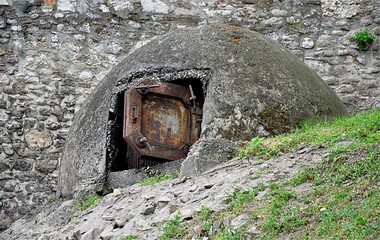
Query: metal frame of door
{"type": "Point", "coordinates": [161, 121]}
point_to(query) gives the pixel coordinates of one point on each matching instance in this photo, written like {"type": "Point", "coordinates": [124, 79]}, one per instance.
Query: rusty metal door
{"type": "Point", "coordinates": [161, 121]}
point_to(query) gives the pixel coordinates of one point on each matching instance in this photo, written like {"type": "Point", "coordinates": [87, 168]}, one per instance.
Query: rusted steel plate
{"type": "Point", "coordinates": [159, 120]}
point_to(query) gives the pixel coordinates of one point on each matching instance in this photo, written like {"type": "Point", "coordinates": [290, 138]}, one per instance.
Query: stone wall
{"type": "Point", "coordinates": [53, 54]}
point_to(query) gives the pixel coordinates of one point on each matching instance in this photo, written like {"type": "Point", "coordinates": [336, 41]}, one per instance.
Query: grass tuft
{"type": "Point", "coordinates": [157, 179]}
{"type": "Point", "coordinates": [87, 202]}
{"type": "Point", "coordinates": [130, 237]}
{"type": "Point", "coordinates": [172, 229]}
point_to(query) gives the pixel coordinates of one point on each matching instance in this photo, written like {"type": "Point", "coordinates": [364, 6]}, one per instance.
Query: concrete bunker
{"type": "Point", "coordinates": [247, 85]}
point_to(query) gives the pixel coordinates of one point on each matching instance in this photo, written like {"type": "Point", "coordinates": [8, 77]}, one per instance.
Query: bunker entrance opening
{"type": "Point", "coordinates": [154, 122]}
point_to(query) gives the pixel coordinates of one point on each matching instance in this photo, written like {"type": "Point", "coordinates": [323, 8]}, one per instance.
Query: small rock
{"type": "Point", "coordinates": [253, 233]}
{"type": "Point", "coordinates": [227, 222]}
{"type": "Point", "coordinates": [214, 228]}
{"type": "Point", "coordinates": [108, 217]}
{"type": "Point", "coordinates": [307, 43]}
{"type": "Point", "coordinates": [38, 140]}
{"type": "Point", "coordinates": [46, 165]}
{"type": "Point", "coordinates": [177, 193]}
{"type": "Point", "coordinates": [163, 200]}
{"type": "Point", "coordinates": [92, 234]}
{"type": "Point", "coordinates": [59, 15]}
{"type": "Point", "coordinates": [43, 237]}
{"type": "Point", "coordinates": [240, 221]}
{"type": "Point", "coordinates": [2, 51]}
{"type": "Point", "coordinates": [186, 214]}
{"type": "Point", "coordinates": [154, 6]}
{"type": "Point", "coordinates": [16, 28]}
{"type": "Point", "coordinates": [279, 13]}
{"type": "Point", "coordinates": [85, 28]}
{"type": "Point", "coordinates": [107, 234]}
{"type": "Point", "coordinates": [121, 220]}
{"type": "Point", "coordinates": [116, 192]}
{"type": "Point", "coordinates": [142, 226]}
{"type": "Point", "coordinates": [7, 148]}
{"type": "Point", "coordinates": [184, 199]}
{"type": "Point", "coordinates": [149, 209]}
{"type": "Point", "coordinates": [148, 196]}
{"type": "Point", "coordinates": [114, 48]}
{"type": "Point", "coordinates": [2, 23]}
{"type": "Point", "coordinates": [173, 208]}
{"type": "Point", "coordinates": [85, 75]}
{"type": "Point", "coordinates": [193, 188]}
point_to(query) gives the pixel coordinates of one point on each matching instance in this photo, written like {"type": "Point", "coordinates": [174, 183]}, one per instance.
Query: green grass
{"type": "Point", "coordinates": [237, 199]}
{"type": "Point", "coordinates": [172, 229]}
{"type": "Point", "coordinates": [342, 197]}
{"type": "Point", "coordinates": [130, 237]}
{"type": "Point", "coordinates": [361, 128]}
{"type": "Point", "coordinates": [156, 179]}
{"type": "Point", "coordinates": [344, 201]}
{"type": "Point", "coordinates": [86, 202]}
{"type": "Point", "coordinates": [230, 234]}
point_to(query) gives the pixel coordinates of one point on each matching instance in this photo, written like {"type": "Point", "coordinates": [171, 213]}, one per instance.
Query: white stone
{"type": "Point", "coordinates": [7, 148]}
{"type": "Point", "coordinates": [4, 3]}
{"type": "Point", "coordinates": [279, 13]}
{"type": "Point", "coordinates": [85, 75]}
{"type": "Point", "coordinates": [79, 37]}
{"type": "Point", "coordinates": [54, 38]}
{"type": "Point", "coordinates": [59, 15]}
{"type": "Point", "coordinates": [104, 8]}
{"type": "Point", "coordinates": [155, 6]}
{"type": "Point", "coordinates": [3, 115]}
{"type": "Point", "coordinates": [122, 5]}
{"type": "Point", "coordinates": [240, 221]}
{"type": "Point", "coordinates": [86, 28]}
{"type": "Point", "coordinates": [307, 43]}
{"type": "Point", "coordinates": [16, 28]}
{"type": "Point", "coordinates": [65, 6]}
{"type": "Point", "coordinates": [116, 192]}
{"type": "Point", "coordinates": [134, 24]}
{"type": "Point", "coordinates": [5, 79]}
{"type": "Point", "coordinates": [60, 27]}
{"type": "Point", "coordinates": [114, 48]}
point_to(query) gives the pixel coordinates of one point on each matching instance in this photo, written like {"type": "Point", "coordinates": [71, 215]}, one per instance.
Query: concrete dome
{"type": "Point", "coordinates": [252, 86]}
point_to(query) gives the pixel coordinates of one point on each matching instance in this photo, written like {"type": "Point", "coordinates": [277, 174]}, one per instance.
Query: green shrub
{"type": "Point", "coordinates": [362, 39]}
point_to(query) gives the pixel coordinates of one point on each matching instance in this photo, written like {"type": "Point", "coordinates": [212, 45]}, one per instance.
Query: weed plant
{"type": "Point", "coordinates": [173, 229]}
{"type": "Point", "coordinates": [362, 39]}
{"type": "Point", "coordinates": [86, 202]}
{"type": "Point", "coordinates": [238, 198]}
{"type": "Point", "coordinates": [157, 179]}
{"type": "Point", "coordinates": [130, 237]}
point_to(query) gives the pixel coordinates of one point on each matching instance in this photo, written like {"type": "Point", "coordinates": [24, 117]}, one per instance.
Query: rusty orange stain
{"type": "Point", "coordinates": [50, 3]}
